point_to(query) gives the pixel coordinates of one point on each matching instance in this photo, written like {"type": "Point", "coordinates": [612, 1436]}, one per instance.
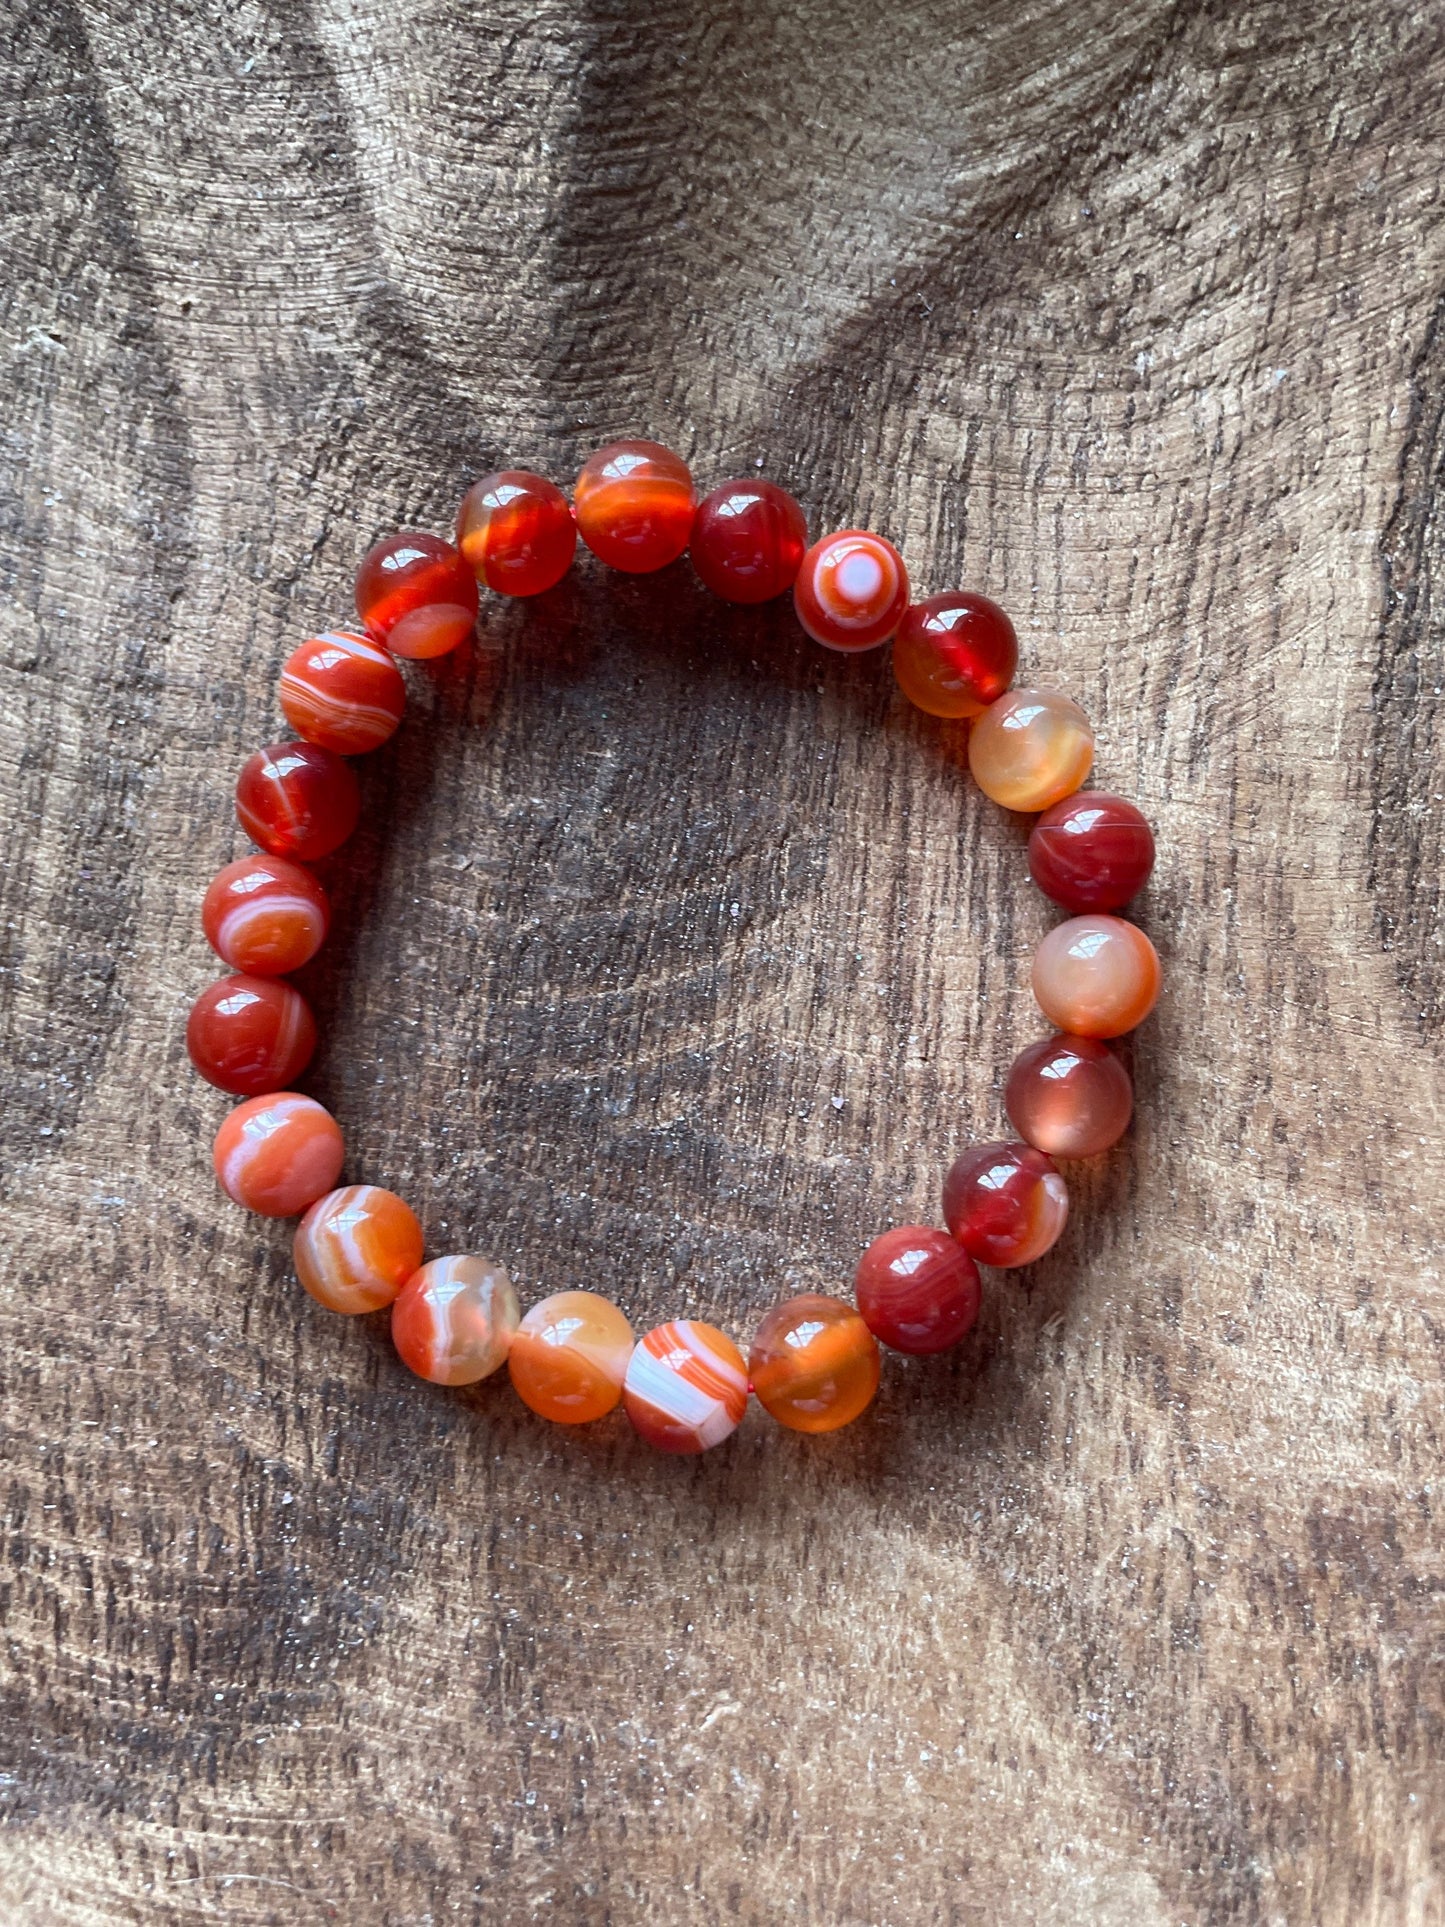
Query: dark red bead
{"type": "Point", "coordinates": [955, 654]}
{"type": "Point", "coordinates": [1091, 852]}
{"type": "Point", "coordinates": [917, 1289]}
{"type": "Point", "coordinates": [1005, 1203]}
{"type": "Point", "coordinates": [748, 541]}
{"type": "Point", "coordinates": [416, 594]}
{"type": "Point", "coordinates": [251, 1035]}
{"type": "Point", "coordinates": [297, 799]}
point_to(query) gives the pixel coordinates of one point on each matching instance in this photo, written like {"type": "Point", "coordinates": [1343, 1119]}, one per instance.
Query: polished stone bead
{"type": "Point", "coordinates": [264, 916]}
{"type": "Point", "coordinates": [686, 1387]}
{"type": "Point", "coordinates": [356, 1248]}
{"type": "Point", "coordinates": [1005, 1203]}
{"type": "Point", "coordinates": [296, 799]}
{"type": "Point", "coordinates": [516, 531]}
{"type": "Point", "coordinates": [278, 1154]}
{"type": "Point", "coordinates": [1096, 976]}
{"type": "Point", "coordinates": [748, 541]}
{"type": "Point", "coordinates": [1069, 1096]}
{"type": "Point", "coordinates": [1091, 852]}
{"type": "Point", "coordinates": [851, 591]}
{"type": "Point", "coordinates": [569, 1357]}
{"type": "Point", "coordinates": [342, 691]}
{"type": "Point", "coordinates": [954, 654]}
{"type": "Point", "coordinates": [635, 506]}
{"type": "Point", "coordinates": [416, 594]}
{"type": "Point", "coordinates": [917, 1289]}
{"type": "Point", "coordinates": [1031, 748]}
{"type": "Point", "coordinates": [814, 1364]}
{"type": "Point", "coordinates": [454, 1320]}
{"type": "Point", "coordinates": [247, 1035]}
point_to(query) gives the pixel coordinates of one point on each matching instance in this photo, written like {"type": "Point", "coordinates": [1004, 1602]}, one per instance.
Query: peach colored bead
{"type": "Point", "coordinates": [278, 1154]}
{"type": "Point", "coordinates": [1031, 748]}
{"type": "Point", "coordinates": [814, 1363]}
{"type": "Point", "coordinates": [569, 1357]}
{"type": "Point", "coordinates": [1069, 1096]}
{"type": "Point", "coordinates": [454, 1320]}
{"type": "Point", "coordinates": [356, 1248]}
{"type": "Point", "coordinates": [686, 1388]}
{"type": "Point", "coordinates": [1096, 976]}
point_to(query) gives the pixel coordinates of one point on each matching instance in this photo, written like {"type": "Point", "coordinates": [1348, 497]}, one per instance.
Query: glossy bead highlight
{"type": "Point", "coordinates": [265, 916]}
{"type": "Point", "coordinates": [454, 1320]}
{"type": "Point", "coordinates": [1096, 976]}
{"type": "Point", "coordinates": [1069, 1096]}
{"type": "Point", "coordinates": [248, 1035]}
{"type": "Point", "coordinates": [748, 541]}
{"type": "Point", "coordinates": [296, 799]}
{"type": "Point", "coordinates": [1091, 852]}
{"type": "Point", "coordinates": [356, 1248]}
{"type": "Point", "coordinates": [278, 1154]}
{"type": "Point", "coordinates": [342, 691]}
{"type": "Point", "coordinates": [1005, 1204]}
{"type": "Point", "coordinates": [814, 1364]}
{"type": "Point", "coordinates": [851, 591]}
{"type": "Point", "coordinates": [1031, 748]}
{"type": "Point", "coordinates": [955, 654]}
{"type": "Point", "coordinates": [917, 1289]}
{"type": "Point", "coordinates": [516, 532]}
{"type": "Point", "coordinates": [635, 506]}
{"type": "Point", "coordinates": [416, 594]}
{"type": "Point", "coordinates": [686, 1387]}
{"type": "Point", "coordinates": [569, 1357]}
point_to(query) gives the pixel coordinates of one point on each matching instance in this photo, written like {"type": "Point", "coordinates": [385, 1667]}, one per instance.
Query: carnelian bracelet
{"type": "Point", "coordinates": [814, 1363]}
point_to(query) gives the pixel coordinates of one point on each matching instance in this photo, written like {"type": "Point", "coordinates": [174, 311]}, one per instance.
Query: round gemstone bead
{"type": "Point", "coordinates": [748, 541]}
{"type": "Point", "coordinates": [1091, 852]}
{"type": "Point", "coordinates": [955, 654]}
{"type": "Point", "coordinates": [851, 591]}
{"type": "Point", "coordinates": [342, 691]}
{"type": "Point", "coordinates": [356, 1248]}
{"type": "Point", "coordinates": [454, 1320]}
{"type": "Point", "coordinates": [278, 1154]}
{"type": "Point", "coordinates": [1031, 748]}
{"type": "Point", "coordinates": [263, 915]}
{"type": "Point", "coordinates": [416, 594]}
{"type": "Point", "coordinates": [1005, 1204]}
{"type": "Point", "coordinates": [1096, 976]}
{"type": "Point", "coordinates": [516, 531]}
{"type": "Point", "coordinates": [814, 1364]}
{"type": "Point", "coordinates": [1069, 1096]}
{"type": "Point", "coordinates": [917, 1289]}
{"type": "Point", "coordinates": [296, 799]}
{"type": "Point", "coordinates": [635, 506]}
{"type": "Point", "coordinates": [686, 1387]}
{"type": "Point", "coordinates": [569, 1357]}
{"type": "Point", "coordinates": [247, 1035]}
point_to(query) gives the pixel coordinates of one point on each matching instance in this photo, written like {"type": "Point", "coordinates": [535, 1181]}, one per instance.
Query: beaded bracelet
{"type": "Point", "coordinates": [814, 1362]}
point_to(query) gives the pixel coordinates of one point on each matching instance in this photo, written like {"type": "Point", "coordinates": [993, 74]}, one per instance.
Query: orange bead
{"type": "Point", "coordinates": [814, 1364]}
{"type": "Point", "coordinates": [635, 505]}
{"type": "Point", "coordinates": [516, 532]}
{"type": "Point", "coordinates": [1031, 748]}
{"type": "Point", "coordinates": [264, 915]}
{"type": "Point", "coordinates": [1096, 976]}
{"type": "Point", "coordinates": [686, 1387]}
{"type": "Point", "coordinates": [416, 594]}
{"type": "Point", "coordinates": [356, 1248]}
{"type": "Point", "coordinates": [454, 1320]}
{"type": "Point", "coordinates": [851, 591]}
{"type": "Point", "coordinates": [569, 1357]}
{"type": "Point", "coordinates": [342, 691]}
{"type": "Point", "coordinates": [277, 1154]}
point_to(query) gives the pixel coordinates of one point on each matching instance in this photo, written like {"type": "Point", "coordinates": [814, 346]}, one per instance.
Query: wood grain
{"type": "Point", "coordinates": [676, 960]}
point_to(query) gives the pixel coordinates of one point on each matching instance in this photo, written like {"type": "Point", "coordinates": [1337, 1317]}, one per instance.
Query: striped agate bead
{"type": "Point", "coordinates": [851, 591]}
{"type": "Point", "coordinates": [917, 1289]}
{"type": "Point", "coordinates": [278, 1154]}
{"type": "Point", "coordinates": [356, 1248]}
{"type": "Point", "coordinates": [570, 1356]}
{"type": "Point", "coordinates": [686, 1387]}
{"type": "Point", "coordinates": [454, 1320]}
{"type": "Point", "coordinates": [343, 692]}
{"type": "Point", "coordinates": [265, 915]}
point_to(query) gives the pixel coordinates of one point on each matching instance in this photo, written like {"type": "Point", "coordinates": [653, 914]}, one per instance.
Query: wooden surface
{"type": "Point", "coordinates": [676, 960]}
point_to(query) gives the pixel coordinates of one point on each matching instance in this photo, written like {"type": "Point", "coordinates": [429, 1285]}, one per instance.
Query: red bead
{"type": "Point", "coordinates": [265, 916]}
{"type": "Point", "coordinates": [247, 1035]}
{"type": "Point", "coordinates": [516, 532]}
{"type": "Point", "coordinates": [851, 591]}
{"type": "Point", "coordinates": [279, 1153]}
{"type": "Point", "coordinates": [1091, 852]}
{"type": "Point", "coordinates": [1005, 1203]}
{"type": "Point", "coordinates": [955, 654]}
{"type": "Point", "coordinates": [1069, 1096]}
{"type": "Point", "coordinates": [342, 691]}
{"type": "Point", "coordinates": [416, 594]}
{"type": "Point", "coordinates": [918, 1289]}
{"type": "Point", "coordinates": [635, 505]}
{"type": "Point", "coordinates": [296, 799]}
{"type": "Point", "coordinates": [748, 541]}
